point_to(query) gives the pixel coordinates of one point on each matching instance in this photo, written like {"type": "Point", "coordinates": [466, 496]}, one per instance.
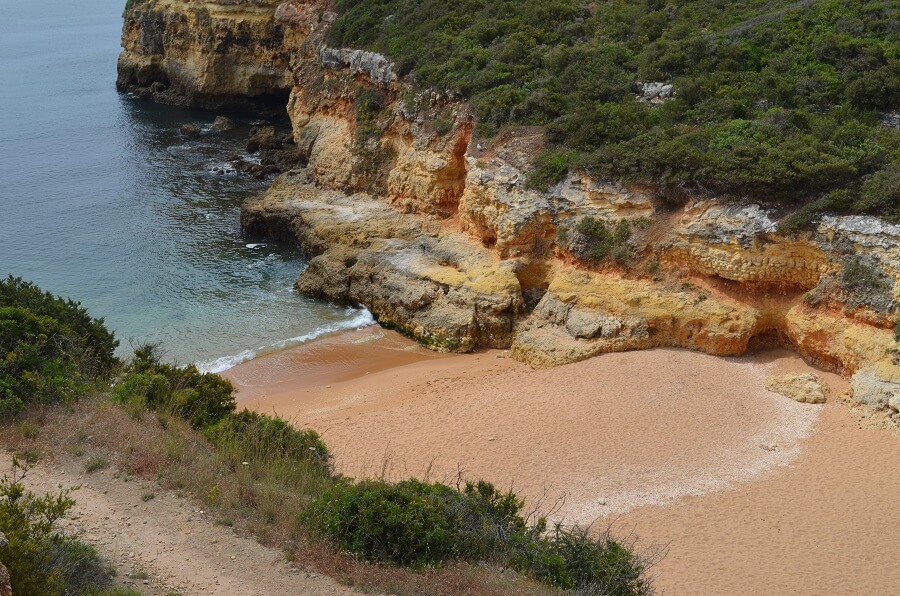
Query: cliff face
{"type": "Point", "coordinates": [439, 235]}
{"type": "Point", "coordinates": [214, 54]}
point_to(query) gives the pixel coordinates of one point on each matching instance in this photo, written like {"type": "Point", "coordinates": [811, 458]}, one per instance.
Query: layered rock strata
{"type": "Point", "coordinates": [440, 234]}
{"type": "Point", "coordinates": [437, 287]}
{"type": "Point", "coordinates": [584, 314]}
{"type": "Point", "coordinates": [228, 55]}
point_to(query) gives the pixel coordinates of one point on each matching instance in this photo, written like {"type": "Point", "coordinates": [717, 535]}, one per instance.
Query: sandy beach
{"type": "Point", "coordinates": [750, 491]}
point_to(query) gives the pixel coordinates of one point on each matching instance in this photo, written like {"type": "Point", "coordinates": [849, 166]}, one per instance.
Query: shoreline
{"type": "Point", "coordinates": [649, 441]}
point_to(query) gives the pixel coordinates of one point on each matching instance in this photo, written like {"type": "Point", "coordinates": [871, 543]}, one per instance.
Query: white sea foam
{"type": "Point", "coordinates": [361, 318]}
{"type": "Point", "coordinates": [254, 245]}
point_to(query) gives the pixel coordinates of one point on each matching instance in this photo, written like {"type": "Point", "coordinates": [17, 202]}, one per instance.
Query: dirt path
{"type": "Point", "coordinates": [166, 543]}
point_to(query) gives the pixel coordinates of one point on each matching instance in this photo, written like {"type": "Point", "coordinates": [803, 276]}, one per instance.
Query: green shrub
{"type": "Point", "coordinates": [200, 398]}
{"type": "Point", "coordinates": [858, 275]}
{"type": "Point", "coordinates": [258, 435]}
{"type": "Point", "coordinates": [774, 99]}
{"type": "Point", "coordinates": [865, 284]}
{"type": "Point", "coordinates": [419, 524]}
{"type": "Point", "coordinates": [82, 569]}
{"type": "Point", "coordinates": [95, 343]}
{"type": "Point", "coordinates": [443, 124]}
{"type": "Point", "coordinates": [96, 463]}
{"type": "Point", "coordinates": [41, 560]}
{"type": "Point", "coordinates": [604, 240]}
{"type": "Point", "coordinates": [50, 348]}
{"type": "Point", "coordinates": [572, 559]}
{"type": "Point", "coordinates": [549, 168]}
{"type": "Point", "coordinates": [414, 523]}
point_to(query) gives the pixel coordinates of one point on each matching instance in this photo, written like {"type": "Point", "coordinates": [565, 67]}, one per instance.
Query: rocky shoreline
{"type": "Point", "coordinates": [403, 210]}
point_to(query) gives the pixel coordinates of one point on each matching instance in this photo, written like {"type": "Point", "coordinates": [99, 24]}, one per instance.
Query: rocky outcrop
{"type": "Point", "coordinates": [500, 209]}
{"type": "Point", "coordinates": [739, 243]}
{"type": "Point", "coordinates": [410, 149]}
{"type": "Point", "coordinates": [867, 236]}
{"type": "Point", "coordinates": [378, 69]}
{"type": "Point", "coordinates": [401, 210]}
{"type": "Point", "coordinates": [805, 388]}
{"type": "Point", "coordinates": [584, 314]}
{"type": "Point", "coordinates": [213, 54]}
{"type": "Point", "coordinates": [437, 287]}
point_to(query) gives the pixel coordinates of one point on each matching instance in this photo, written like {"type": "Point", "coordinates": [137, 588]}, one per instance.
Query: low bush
{"type": "Point", "coordinates": [257, 436]}
{"type": "Point", "coordinates": [39, 558]}
{"type": "Point", "coordinates": [50, 348]}
{"type": "Point", "coordinates": [549, 168]}
{"type": "Point", "coordinates": [863, 283]}
{"type": "Point", "coordinates": [201, 398]}
{"type": "Point", "coordinates": [419, 524]}
{"type": "Point", "coordinates": [602, 240]}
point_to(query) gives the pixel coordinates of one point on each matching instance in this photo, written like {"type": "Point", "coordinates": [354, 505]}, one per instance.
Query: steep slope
{"type": "Point", "coordinates": [405, 208]}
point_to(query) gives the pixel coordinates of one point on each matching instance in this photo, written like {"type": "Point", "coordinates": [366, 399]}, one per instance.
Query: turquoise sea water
{"type": "Point", "coordinates": [103, 200]}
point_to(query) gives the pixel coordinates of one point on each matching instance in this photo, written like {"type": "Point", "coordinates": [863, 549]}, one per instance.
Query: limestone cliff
{"type": "Point", "coordinates": [213, 54]}
{"type": "Point", "coordinates": [401, 209]}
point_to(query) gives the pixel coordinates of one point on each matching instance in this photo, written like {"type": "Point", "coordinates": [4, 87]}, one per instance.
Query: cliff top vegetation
{"type": "Point", "coordinates": [774, 100]}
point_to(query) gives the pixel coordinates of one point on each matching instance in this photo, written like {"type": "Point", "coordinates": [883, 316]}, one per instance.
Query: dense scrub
{"type": "Point", "coordinates": [420, 524]}
{"type": "Point", "coordinates": [778, 100]}
{"type": "Point", "coordinates": [51, 349]}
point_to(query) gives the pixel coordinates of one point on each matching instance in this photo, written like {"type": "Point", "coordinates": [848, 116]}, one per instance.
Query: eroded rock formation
{"type": "Point", "coordinates": [213, 54]}
{"type": "Point", "coordinates": [401, 209]}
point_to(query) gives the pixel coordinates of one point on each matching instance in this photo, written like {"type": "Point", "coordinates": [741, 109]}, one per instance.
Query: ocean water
{"type": "Point", "coordinates": [103, 200]}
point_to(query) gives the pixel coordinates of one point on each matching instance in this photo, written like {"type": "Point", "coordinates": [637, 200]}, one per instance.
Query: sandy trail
{"type": "Point", "coordinates": [166, 542]}
{"type": "Point", "coordinates": [754, 492]}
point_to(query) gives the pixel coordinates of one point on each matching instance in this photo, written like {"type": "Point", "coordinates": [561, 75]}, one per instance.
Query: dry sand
{"type": "Point", "coordinates": [753, 492]}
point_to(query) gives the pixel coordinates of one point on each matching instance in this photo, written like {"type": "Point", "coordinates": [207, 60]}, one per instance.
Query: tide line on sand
{"type": "Point", "coordinates": [360, 318]}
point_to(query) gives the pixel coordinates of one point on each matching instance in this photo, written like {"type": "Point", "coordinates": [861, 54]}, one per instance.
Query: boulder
{"type": "Point", "coordinates": [190, 130]}
{"type": "Point", "coordinates": [262, 138]}
{"type": "Point", "coordinates": [873, 391]}
{"type": "Point", "coordinates": [221, 124]}
{"type": "Point", "coordinates": [806, 388]}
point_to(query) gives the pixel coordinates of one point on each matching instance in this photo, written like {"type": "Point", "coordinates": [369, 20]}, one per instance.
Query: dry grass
{"type": "Point", "coordinates": [262, 497]}
{"type": "Point", "coordinates": [449, 580]}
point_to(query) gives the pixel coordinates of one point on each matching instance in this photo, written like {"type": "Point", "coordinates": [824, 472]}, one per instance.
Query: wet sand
{"type": "Point", "coordinates": [753, 492]}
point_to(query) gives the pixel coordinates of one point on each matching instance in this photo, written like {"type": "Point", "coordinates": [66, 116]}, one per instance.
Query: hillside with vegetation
{"type": "Point", "coordinates": [274, 480]}
{"type": "Point", "coordinates": [781, 101]}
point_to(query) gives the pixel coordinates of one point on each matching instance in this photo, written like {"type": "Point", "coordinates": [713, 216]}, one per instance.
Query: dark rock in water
{"type": "Point", "coordinates": [157, 87]}
{"type": "Point", "coordinates": [221, 123]}
{"type": "Point", "coordinates": [191, 130]}
{"type": "Point", "coordinates": [263, 138]}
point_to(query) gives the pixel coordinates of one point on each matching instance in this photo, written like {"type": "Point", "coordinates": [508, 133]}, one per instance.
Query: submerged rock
{"type": "Point", "coordinates": [190, 130]}
{"type": "Point", "coordinates": [221, 124]}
